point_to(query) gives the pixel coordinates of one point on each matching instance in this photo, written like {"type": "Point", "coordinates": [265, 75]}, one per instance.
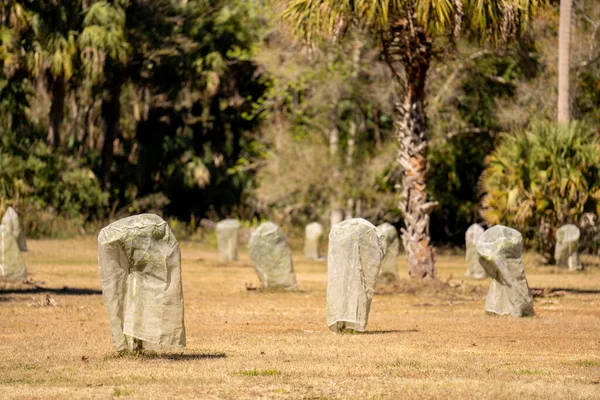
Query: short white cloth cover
{"type": "Point", "coordinates": [356, 249]}
{"type": "Point", "coordinates": [227, 238]}
{"type": "Point", "coordinates": [474, 268]}
{"type": "Point", "coordinates": [140, 269]}
{"type": "Point", "coordinates": [566, 251]}
{"type": "Point", "coordinates": [312, 237]}
{"type": "Point", "coordinates": [272, 257]}
{"type": "Point", "coordinates": [12, 266]}
{"type": "Point", "coordinates": [13, 223]}
{"type": "Point", "coordinates": [501, 255]}
{"type": "Point", "coordinates": [389, 266]}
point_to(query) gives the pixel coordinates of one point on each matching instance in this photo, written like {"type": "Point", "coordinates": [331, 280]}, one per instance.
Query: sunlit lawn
{"type": "Point", "coordinates": [421, 343]}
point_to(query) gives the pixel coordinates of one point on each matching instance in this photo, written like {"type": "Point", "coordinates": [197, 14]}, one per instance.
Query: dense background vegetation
{"type": "Point", "coordinates": [207, 109]}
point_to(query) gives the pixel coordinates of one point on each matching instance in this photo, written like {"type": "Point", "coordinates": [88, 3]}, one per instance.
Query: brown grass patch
{"type": "Point", "coordinates": [422, 341]}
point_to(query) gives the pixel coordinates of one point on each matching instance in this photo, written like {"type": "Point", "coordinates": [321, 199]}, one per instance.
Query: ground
{"type": "Point", "coordinates": [421, 343]}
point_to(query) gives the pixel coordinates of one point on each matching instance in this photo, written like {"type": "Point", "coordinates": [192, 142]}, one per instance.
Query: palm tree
{"type": "Point", "coordinates": [410, 33]}
{"type": "Point", "coordinates": [14, 23]}
{"type": "Point", "coordinates": [564, 59]}
{"type": "Point", "coordinates": [104, 52]}
{"type": "Point", "coordinates": [55, 54]}
{"type": "Point", "coordinates": [542, 178]}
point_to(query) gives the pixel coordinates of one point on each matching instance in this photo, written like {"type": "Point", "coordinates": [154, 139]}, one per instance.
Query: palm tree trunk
{"type": "Point", "coordinates": [411, 132]}
{"type": "Point", "coordinates": [57, 110]}
{"type": "Point", "coordinates": [564, 57]}
{"type": "Point", "coordinates": [111, 113]}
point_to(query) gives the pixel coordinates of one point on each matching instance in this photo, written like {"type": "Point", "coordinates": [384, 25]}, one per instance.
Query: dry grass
{"type": "Point", "coordinates": [421, 343]}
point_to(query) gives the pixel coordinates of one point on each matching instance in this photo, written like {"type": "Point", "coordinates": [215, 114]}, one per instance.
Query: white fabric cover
{"type": "Point", "coordinates": [474, 268]}
{"type": "Point", "coordinates": [272, 257]}
{"type": "Point", "coordinates": [12, 266]}
{"type": "Point", "coordinates": [140, 269]}
{"type": "Point", "coordinates": [312, 238]}
{"type": "Point", "coordinates": [566, 250]}
{"type": "Point", "coordinates": [13, 223]}
{"type": "Point", "coordinates": [389, 266]}
{"type": "Point", "coordinates": [356, 249]}
{"type": "Point", "coordinates": [227, 238]}
{"type": "Point", "coordinates": [501, 255]}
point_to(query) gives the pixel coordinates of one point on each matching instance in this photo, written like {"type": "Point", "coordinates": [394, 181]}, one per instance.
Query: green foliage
{"type": "Point", "coordinates": [344, 97]}
{"type": "Point", "coordinates": [588, 363]}
{"type": "Point", "coordinates": [121, 392]}
{"type": "Point", "coordinates": [465, 120]}
{"type": "Point", "coordinates": [192, 65]}
{"type": "Point", "coordinates": [588, 96]}
{"type": "Point", "coordinates": [209, 109]}
{"type": "Point", "coordinates": [43, 184]}
{"type": "Point", "coordinates": [258, 372]}
{"type": "Point", "coordinates": [484, 19]}
{"type": "Point", "coordinates": [542, 178]}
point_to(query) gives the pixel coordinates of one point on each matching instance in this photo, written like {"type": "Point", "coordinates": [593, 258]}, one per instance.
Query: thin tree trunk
{"type": "Point", "coordinates": [350, 165]}
{"type": "Point", "coordinates": [336, 212]}
{"type": "Point", "coordinates": [356, 49]}
{"type": "Point", "coordinates": [564, 57]}
{"type": "Point", "coordinates": [57, 110]}
{"type": "Point", "coordinates": [111, 113]}
{"type": "Point", "coordinates": [412, 134]}
{"type": "Point", "coordinates": [358, 208]}
{"type": "Point", "coordinates": [376, 130]}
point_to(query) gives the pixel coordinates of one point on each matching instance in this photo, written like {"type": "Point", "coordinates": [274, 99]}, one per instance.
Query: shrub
{"type": "Point", "coordinates": [542, 178]}
{"type": "Point", "coordinates": [54, 194]}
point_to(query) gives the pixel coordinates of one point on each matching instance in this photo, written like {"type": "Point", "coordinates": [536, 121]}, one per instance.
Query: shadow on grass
{"type": "Point", "coordinates": [153, 355]}
{"type": "Point", "coordinates": [380, 332]}
{"type": "Point", "coordinates": [541, 292]}
{"type": "Point", "coordinates": [389, 331]}
{"type": "Point", "coordinates": [65, 291]}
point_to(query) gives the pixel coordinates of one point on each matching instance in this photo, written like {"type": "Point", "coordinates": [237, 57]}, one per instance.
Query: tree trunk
{"type": "Point", "coordinates": [411, 128]}
{"type": "Point", "coordinates": [57, 110]}
{"type": "Point", "coordinates": [376, 129]}
{"type": "Point", "coordinates": [336, 212]}
{"type": "Point", "coordinates": [564, 58]}
{"type": "Point", "coordinates": [350, 166]}
{"type": "Point", "coordinates": [111, 113]}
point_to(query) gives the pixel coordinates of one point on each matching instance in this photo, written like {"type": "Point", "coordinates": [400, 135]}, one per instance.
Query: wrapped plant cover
{"type": "Point", "coordinates": [11, 221]}
{"type": "Point", "coordinates": [501, 255]}
{"type": "Point", "coordinates": [12, 266]}
{"type": "Point", "coordinates": [566, 250]}
{"type": "Point", "coordinates": [272, 258]}
{"type": "Point", "coordinates": [356, 249]}
{"type": "Point", "coordinates": [474, 268]}
{"type": "Point", "coordinates": [313, 232]}
{"type": "Point", "coordinates": [389, 266]}
{"type": "Point", "coordinates": [227, 238]}
{"type": "Point", "coordinates": [140, 269]}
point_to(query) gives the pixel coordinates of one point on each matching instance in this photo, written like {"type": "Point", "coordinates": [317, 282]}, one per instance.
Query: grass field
{"type": "Point", "coordinates": [421, 342]}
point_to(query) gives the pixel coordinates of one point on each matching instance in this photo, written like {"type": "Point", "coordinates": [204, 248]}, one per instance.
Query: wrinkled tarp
{"type": "Point", "coordinates": [501, 255]}
{"type": "Point", "coordinates": [567, 245]}
{"type": "Point", "coordinates": [356, 249]}
{"type": "Point", "coordinates": [227, 238]}
{"type": "Point", "coordinates": [13, 223]}
{"type": "Point", "coordinates": [474, 268]}
{"type": "Point", "coordinates": [12, 265]}
{"type": "Point", "coordinates": [389, 266]}
{"type": "Point", "coordinates": [272, 258]}
{"type": "Point", "coordinates": [313, 232]}
{"type": "Point", "coordinates": [140, 269]}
